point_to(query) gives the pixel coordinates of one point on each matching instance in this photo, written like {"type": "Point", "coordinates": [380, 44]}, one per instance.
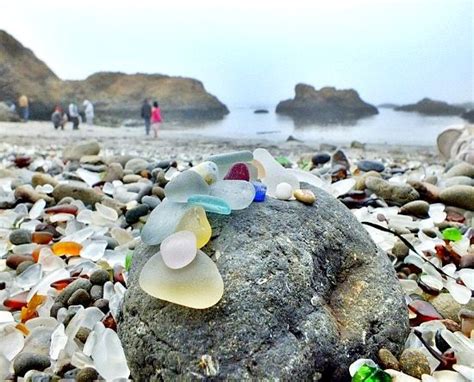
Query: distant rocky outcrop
{"type": "Point", "coordinates": [116, 96]}
{"type": "Point", "coordinates": [327, 105]}
{"type": "Point", "coordinates": [468, 116]}
{"type": "Point", "coordinates": [428, 106]}
{"type": "Point", "coordinates": [387, 105]}
{"type": "Point", "coordinates": [6, 114]}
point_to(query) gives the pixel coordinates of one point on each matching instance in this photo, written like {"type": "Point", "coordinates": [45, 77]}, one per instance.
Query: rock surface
{"type": "Point", "coordinates": [327, 105]}
{"type": "Point", "coordinates": [285, 281]}
{"type": "Point", "coordinates": [428, 106]}
{"type": "Point", "coordinates": [116, 96]}
{"type": "Point", "coordinates": [6, 115]}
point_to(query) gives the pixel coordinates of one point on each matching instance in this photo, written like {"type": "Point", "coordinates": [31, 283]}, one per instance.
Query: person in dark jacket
{"type": "Point", "coordinates": [146, 115]}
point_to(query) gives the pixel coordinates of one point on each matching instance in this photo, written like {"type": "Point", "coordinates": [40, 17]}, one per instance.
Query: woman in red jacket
{"type": "Point", "coordinates": [155, 118]}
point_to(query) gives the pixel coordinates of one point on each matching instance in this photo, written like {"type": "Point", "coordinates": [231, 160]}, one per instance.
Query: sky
{"type": "Point", "coordinates": [252, 53]}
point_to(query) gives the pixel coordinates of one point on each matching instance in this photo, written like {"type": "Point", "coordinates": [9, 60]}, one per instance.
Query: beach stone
{"type": "Point", "coordinates": [114, 172]}
{"type": "Point", "coordinates": [467, 261]}
{"type": "Point", "coordinates": [14, 260]}
{"type": "Point", "coordinates": [136, 165]}
{"type": "Point", "coordinates": [88, 374]}
{"type": "Point", "coordinates": [40, 179]}
{"type": "Point", "coordinates": [134, 214]}
{"type": "Point", "coordinates": [459, 181]}
{"type": "Point", "coordinates": [67, 292]}
{"type": "Point", "coordinates": [458, 196]}
{"type": "Point", "coordinates": [28, 193]}
{"type": "Point", "coordinates": [79, 297]}
{"type": "Point", "coordinates": [427, 191]}
{"type": "Point", "coordinates": [20, 236]}
{"type": "Point", "coordinates": [82, 334]}
{"type": "Point", "coordinates": [158, 191]}
{"type": "Point", "coordinates": [370, 165]}
{"type": "Point", "coordinates": [448, 307]}
{"type": "Point", "coordinates": [388, 360]}
{"type": "Point", "coordinates": [339, 158]}
{"type": "Point", "coordinates": [96, 292]}
{"type": "Point", "coordinates": [131, 178]}
{"type": "Point", "coordinates": [151, 201]}
{"type": "Point", "coordinates": [360, 181]}
{"type": "Point", "coordinates": [289, 270]}
{"type": "Point", "coordinates": [305, 196]}
{"type": "Point", "coordinates": [418, 208]}
{"type": "Point", "coordinates": [78, 150]}
{"type": "Point", "coordinates": [400, 250]}
{"type": "Point", "coordinates": [461, 169]}
{"type": "Point", "coordinates": [30, 361]}
{"type": "Point", "coordinates": [77, 191]}
{"type": "Point", "coordinates": [392, 193]}
{"type": "Point", "coordinates": [99, 277]}
{"type": "Point", "coordinates": [320, 158]}
{"type": "Point", "coordinates": [102, 304]}
{"type": "Point", "coordinates": [24, 266]}
{"type": "Point", "coordinates": [414, 362]}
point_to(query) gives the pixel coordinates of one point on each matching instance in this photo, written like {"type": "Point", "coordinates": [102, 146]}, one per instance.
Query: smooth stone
{"type": "Point", "coordinates": [28, 193]}
{"type": "Point", "coordinates": [158, 191]}
{"type": "Point", "coordinates": [414, 362]}
{"type": "Point", "coordinates": [88, 374]}
{"type": "Point", "coordinates": [30, 361]}
{"type": "Point", "coordinates": [207, 170]}
{"type": "Point", "coordinates": [133, 215]}
{"type": "Point", "coordinates": [388, 360]}
{"type": "Point", "coordinates": [210, 204]}
{"type": "Point", "coordinates": [77, 191]}
{"type": "Point", "coordinates": [418, 208]}
{"type": "Point", "coordinates": [449, 308]}
{"type": "Point", "coordinates": [238, 194]}
{"type": "Point", "coordinates": [151, 201]}
{"type": "Point", "coordinates": [238, 171]}
{"type": "Point", "coordinates": [114, 172]}
{"type": "Point", "coordinates": [20, 236]}
{"type": "Point", "coordinates": [40, 179]}
{"type": "Point", "coordinates": [131, 178]}
{"type": "Point", "coordinates": [136, 165]}
{"type": "Point", "coordinates": [458, 196]}
{"type": "Point", "coordinates": [99, 277]}
{"type": "Point", "coordinates": [82, 334]}
{"type": "Point", "coordinates": [195, 220]}
{"type": "Point", "coordinates": [79, 297]}
{"type": "Point", "coordinates": [162, 221]}
{"type": "Point", "coordinates": [198, 285]}
{"type": "Point", "coordinates": [339, 158]}
{"type": "Point", "coordinates": [78, 150]}
{"type": "Point", "coordinates": [102, 304]}
{"type": "Point", "coordinates": [360, 180]}
{"type": "Point", "coordinates": [461, 169]}
{"type": "Point", "coordinates": [427, 191]}
{"type": "Point", "coordinates": [179, 249]}
{"type": "Point", "coordinates": [370, 165]}
{"type": "Point", "coordinates": [467, 261]}
{"type": "Point", "coordinates": [67, 292]}
{"type": "Point", "coordinates": [459, 181]}
{"type": "Point", "coordinates": [283, 191]}
{"type": "Point", "coordinates": [13, 261]}
{"type": "Point", "coordinates": [320, 158]}
{"type": "Point", "coordinates": [400, 250]}
{"type": "Point", "coordinates": [305, 196]}
{"type": "Point", "coordinates": [391, 193]}
{"type": "Point", "coordinates": [186, 184]}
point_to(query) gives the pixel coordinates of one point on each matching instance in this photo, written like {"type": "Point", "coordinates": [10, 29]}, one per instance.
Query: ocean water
{"type": "Point", "coordinates": [388, 127]}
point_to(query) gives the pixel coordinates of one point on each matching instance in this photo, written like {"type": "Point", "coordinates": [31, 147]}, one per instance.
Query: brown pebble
{"type": "Point", "coordinates": [82, 334]}
{"type": "Point", "coordinates": [451, 325]}
{"type": "Point", "coordinates": [24, 266]}
{"type": "Point", "coordinates": [467, 261]}
{"type": "Point", "coordinates": [87, 374]}
{"type": "Point", "coordinates": [13, 261]}
{"type": "Point", "coordinates": [158, 191]}
{"type": "Point", "coordinates": [79, 297]}
{"type": "Point", "coordinates": [102, 304]}
{"type": "Point", "coordinates": [414, 362]}
{"type": "Point", "coordinates": [388, 360]}
{"type": "Point", "coordinates": [305, 196]}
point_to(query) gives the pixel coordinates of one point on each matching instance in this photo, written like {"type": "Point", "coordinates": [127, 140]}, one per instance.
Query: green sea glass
{"type": "Point", "coordinates": [452, 234]}
{"type": "Point", "coordinates": [210, 204]}
{"type": "Point", "coordinates": [371, 374]}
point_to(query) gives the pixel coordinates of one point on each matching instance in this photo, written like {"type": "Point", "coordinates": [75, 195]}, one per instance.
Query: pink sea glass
{"type": "Point", "coordinates": [238, 171]}
{"type": "Point", "coordinates": [179, 249]}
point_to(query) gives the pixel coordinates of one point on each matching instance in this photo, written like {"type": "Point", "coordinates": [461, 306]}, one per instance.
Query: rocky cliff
{"type": "Point", "coordinates": [428, 106]}
{"type": "Point", "coordinates": [327, 105]}
{"type": "Point", "coordinates": [116, 96]}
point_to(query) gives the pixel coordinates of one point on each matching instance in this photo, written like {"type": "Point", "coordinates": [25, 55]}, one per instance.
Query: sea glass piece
{"type": "Point", "coordinates": [198, 285]}
{"type": "Point", "coordinates": [17, 301]}
{"type": "Point", "coordinates": [94, 250]}
{"type": "Point", "coordinates": [91, 178]}
{"type": "Point", "coordinates": [11, 341]}
{"type": "Point", "coordinates": [62, 209]}
{"type": "Point", "coordinates": [29, 277]}
{"type": "Point", "coordinates": [49, 261]}
{"type": "Point", "coordinates": [41, 237]}
{"type": "Point", "coordinates": [368, 373]}
{"type": "Point", "coordinates": [208, 170]}
{"type": "Point", "coordinates": [238, 194]}
{"type": "Point", "coordinates": [238, 171]}
{"type": "Point", "coordinates": [195, 220]}
{"type": "Point", "coordinates": [128, 260]}
{"type": "Point", "coordinates": [106, 212]}
{"type": "Point", "coordinates": [260, 192]}
{"type": "Point", "coordinates": [37, 209]}
{"type": "Point", "coordinates": [184, 185]}
{"type": "Point", "coordinates": [210, 204]}
{"type": "Point", "coordinates": [424, 311]}
{"type": "Point", "coordinates": [226, 160]}
{"type": "Point", "coordinates": [452, 234]}
{"type": "Point", "coordinates": [58, 342]}
{"type": "Point", "coordinates": [274, 172]}
{"type": "Point", "coordinates": [162, 221]}
{"type": "Point", "coordinates": [179, 249]}
{"type": "Point", "coordinates": [30, 310]}
{"type": "Point", "coordinates": [66, 248]}
{"type": "Point", "coordinates": [458, 292]}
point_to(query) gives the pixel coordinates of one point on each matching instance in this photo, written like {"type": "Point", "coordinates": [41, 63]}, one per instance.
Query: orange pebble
{"type": "Point", "coordinates": [67, 248]}
{"type": "Point", "coordinates": [41, 237]}
{"type": "Point", "coordinates": [22, 328]}
{"type": "Point", "coordinates": [29, 312]}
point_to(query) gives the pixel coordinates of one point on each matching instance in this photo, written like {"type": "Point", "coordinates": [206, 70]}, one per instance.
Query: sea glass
{"type": "Point", "coordinates": [41, 237]}
{"type": "Point", "coordinates": [238, 171]}
{"type": "Point", "coordinates": [452, 234]}
{"type": "Point", "coordinates": [62, 209]}
{"type": "Point", "coordinates": [424, 312]}
{"type": "Point", "coordinates": [208, 170]}
{"type": "Point", "coordinates": [368, 373]}
{"type": "Point", "coordinates": [238, 194]}
{"type": "Point", "coordinates": [58, 342]}
{"type": "Point", "coordinates": [37, 209]}
{"type": "Point", "coordinates": [162, 221]}
{"type": "Point", "coordinates": [260, 192]}
{"type": "Point", "coordinates": [274, 172]}
{"type": "Point", "coordinates": [11, 341]}
{"type": "Point", "coordinates": [106, 212]}
{"type": "Point", "coordinates": [91, 178]}
{"type": "Point", "coordinates": [184, 185]}
{"type": "Point", "coordinates": [195, 220]}
{"type": "Point", "coordinates": [179, 249]}
{"type": "Point", "coordinates": [199, 285]}
{"type": "Point", "coordinates": [210, 204]}
{"type": "Point", "coordinates": [66, 248]}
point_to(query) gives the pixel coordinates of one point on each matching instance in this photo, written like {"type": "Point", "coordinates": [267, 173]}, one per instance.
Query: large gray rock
{"type": "Point", "coordinates": [306, 294]}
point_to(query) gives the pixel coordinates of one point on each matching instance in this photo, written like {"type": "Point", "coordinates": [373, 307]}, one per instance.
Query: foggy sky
{"type": "Point", "coordinates": [251, 53]}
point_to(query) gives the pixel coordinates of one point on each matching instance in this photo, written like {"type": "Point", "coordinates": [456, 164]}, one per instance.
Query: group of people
{"type": "Point", "coordinates": [60, 118]}
{"type": "Point", "coordinates": [151, 114]}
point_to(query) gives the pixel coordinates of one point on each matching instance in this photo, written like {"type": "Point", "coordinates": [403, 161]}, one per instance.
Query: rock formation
{"type": "Point", "coordinates": [6, 115]}
{"type": "Point", "coordinates": [116, 96]}
{"type": "Point", "coordinates": [428, 106]}
{"type": "Point", "coordinates": [327, 105]}
{"type": "Point", "coordinates": [306, 293]}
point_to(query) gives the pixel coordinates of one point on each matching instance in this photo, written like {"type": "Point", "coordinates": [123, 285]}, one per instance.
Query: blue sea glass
{"type": "Point", "coordinates": [210, 204]}
{"type": "Point", "coordinates": [260, 191]}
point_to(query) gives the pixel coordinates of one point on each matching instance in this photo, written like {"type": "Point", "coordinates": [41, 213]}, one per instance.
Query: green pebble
{"type": "Point", "coordinates": [452, 234]}
{"type": "Point", "coordinates": [371, 374]}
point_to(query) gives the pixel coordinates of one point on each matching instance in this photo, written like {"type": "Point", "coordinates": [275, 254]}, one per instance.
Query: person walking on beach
{"type": "Point", "coordinates": [155, 118]}
{"type": "Point", "coordinates": [24, 108]}
{"type": "Point", "coordinates": [89, 112]}
{"type": "Point", "coordinates": [146, 115]}
{"type": "Point", "coordinates": [74, 115]}
{"type": "Point", "coordinates": [57, 118]}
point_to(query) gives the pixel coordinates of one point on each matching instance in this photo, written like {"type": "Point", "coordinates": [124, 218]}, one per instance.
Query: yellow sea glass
{"type": "Point", "coordinates": [198, 285]}
{"type": "Point", "coordinates": [195, 220]}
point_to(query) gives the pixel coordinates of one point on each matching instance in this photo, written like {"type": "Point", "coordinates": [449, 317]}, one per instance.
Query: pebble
{"type": "Point", "coordinates": [283, 191]}
{"type": "Point", "coordinates": [88, 374]}
{"type": "Point", "coordinates": [305, 196]}
{"type": "Point", "coordinates": [30, 361]}
{"type": "Point", "coordinates": [449, 308]}
{"type": "Point", "coordinates": [467, 261]}
{"type": "Point", "coordinates": [320, 158]}
{"type": "Point", "coordinates": [136, 165]}
{"type": "Point", "coordinates": [78, 150]}
{"type": "Point", "coordinates": [40, 179]}
{"type": "Point", "coordinates": [99, 277]}
{"type": "Point", "coordinates": [114, 172]}
{"type": "Point", "coordinates": [370, 165]}
{"type": "Point", "coordinates": [102, 304]}
{"type": "Point", "coordinates": [131, 178]}
{"type": "Point", "coordinates": [79, 297]}
{"type": "Point", "coordinates": [13, 261]}
{"type": "Point", "coordinates": [458, 196]}
{"type": "Point", "coordinates": [28, 193]}
{"type": "Point", "coordinates": [339, 157]}
{"type": "Point", "coordinates": [77, 191]}
{"type": "Point", "coordinates": [390, 192]}
{"type": "Point", "coordinates": [151, 201]}
{"type": "Point", "coordinates": [67, 292]}
{"type": "Point", "coordinates": [459, 181]}
{"type": "Point", "coordinates": [360, 180]}
{"type": "Point", "coordinates": [82, 334]}
{"type": "Point", "coordinates": [158, 191]}
{"type": "Point", "coordinates": [96, 292]}
{"type": "Point", "coordinates": [427, 191]}
{"type": "Point", "coordinates": [400, 250]}
{"type": "Point", "coordinates": [414, 362]}
{"type": "Point", "coordinates": [461, 169]}
{"type": "Point", "coordinates": [388, 360]}
{"type": "Point", "coordinates": [133, 215]}
{"type": "Point", "coordinates": [418, 208]}
{"type": "Point", "coordinates": [20, 236]}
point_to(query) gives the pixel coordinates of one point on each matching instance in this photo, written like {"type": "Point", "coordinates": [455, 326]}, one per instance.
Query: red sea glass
{"type": "Point", "coordinates": [62, 209]}
{"type": "Point", "coordinates": [17, 301]}
{"type": "Point", "coordinates": [61, 284]}
{"type": "Point", "coordinates": [424, 312]}
{"type": "Point", "coordinates": [238, 171]}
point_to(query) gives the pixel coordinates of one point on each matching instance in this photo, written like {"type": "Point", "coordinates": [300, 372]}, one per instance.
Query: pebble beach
{"type": "Point", "coordinates": [74, 205]}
